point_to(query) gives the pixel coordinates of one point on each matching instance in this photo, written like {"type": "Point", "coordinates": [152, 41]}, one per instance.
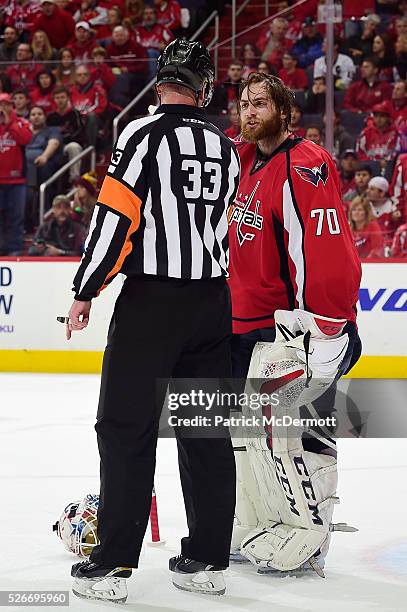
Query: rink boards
{"type": "Point", "coordinates": [33, 292]}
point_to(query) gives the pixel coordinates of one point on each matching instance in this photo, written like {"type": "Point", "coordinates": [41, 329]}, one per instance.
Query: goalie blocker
{"type": "Point", "coordinates": [286, 491]}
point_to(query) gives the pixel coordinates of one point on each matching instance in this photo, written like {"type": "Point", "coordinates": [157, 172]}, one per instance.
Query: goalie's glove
{"type": "Point", "coordinates": [303, 361]}
{"type": "Point", "coordinates": [319, 341]}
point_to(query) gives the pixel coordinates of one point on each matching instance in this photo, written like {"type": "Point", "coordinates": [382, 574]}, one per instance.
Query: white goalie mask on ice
{"type": "Point", "coordinates": [304, 359]}
{"type": "Point", "coordinates": [77, 526]}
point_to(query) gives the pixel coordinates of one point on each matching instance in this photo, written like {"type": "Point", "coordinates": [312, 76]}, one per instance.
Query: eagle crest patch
{"type": "Point", "coordinates": [313, 175]}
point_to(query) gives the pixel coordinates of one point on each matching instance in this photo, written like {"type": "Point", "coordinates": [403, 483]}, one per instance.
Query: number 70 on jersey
{"type": "Point", "coordinates": [326, 217]}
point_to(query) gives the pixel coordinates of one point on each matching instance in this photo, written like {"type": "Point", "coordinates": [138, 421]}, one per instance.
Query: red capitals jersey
{"type": "Point", "coordinates": [290, 243]}
{"type": "Point", "coordinates": [399, 246]}
{"type": "Point", "coordinates": [22, 18]}
{"type": "Point", "coordinates": [384, 216]}
{"type": "Point", "coordinates": [169, 14]}
{"type": "Point", "coordinates": [13, 137]}
{"type": "Point", "coordinates": [89, 99]}
{"type": "Point", "coordinates": [398, 187]}
{"type": "Point", "coordinates": [152, 38]}
{"type": "Point", "coordinates": [377, 145]}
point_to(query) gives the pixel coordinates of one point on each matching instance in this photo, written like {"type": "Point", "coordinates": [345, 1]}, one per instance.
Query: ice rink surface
{"type": "Point", "coordinates": [48, 457]}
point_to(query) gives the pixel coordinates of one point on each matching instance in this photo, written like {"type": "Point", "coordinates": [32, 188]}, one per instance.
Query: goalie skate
{"type": "Point", "coordinates": [197, 577]}
{"type": "Point", "coordinates": [92, 581]}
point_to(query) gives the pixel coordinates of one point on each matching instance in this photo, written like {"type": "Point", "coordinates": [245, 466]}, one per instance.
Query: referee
{"type": "Point", "coordinates": [161, 220]}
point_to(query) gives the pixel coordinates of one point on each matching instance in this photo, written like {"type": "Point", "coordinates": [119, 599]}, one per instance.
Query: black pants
{"type": "Point", "coordinates": [162, 328]}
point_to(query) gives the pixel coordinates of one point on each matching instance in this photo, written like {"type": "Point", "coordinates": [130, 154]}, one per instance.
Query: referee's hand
{"type": "Point", "coordinates": [77, 310]}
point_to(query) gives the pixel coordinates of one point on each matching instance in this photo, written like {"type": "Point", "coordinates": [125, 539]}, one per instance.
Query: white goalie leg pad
{"type": "Point", "coordinates": [306, 483]}
{"type": "Point", "coordinates": [297, 487]}
{"type": "Point", "coordinates": [249, 511]}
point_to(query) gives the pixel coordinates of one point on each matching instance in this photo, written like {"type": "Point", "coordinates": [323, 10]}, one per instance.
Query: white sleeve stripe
{"type": "Point", "coordinates": [295, 236]}
{"type": "Point", "coordinates": [92, 225]}
{"type": "Point", "coordinates": [134, 167]}
{"type": "Point", "coordinates": [101, 247]}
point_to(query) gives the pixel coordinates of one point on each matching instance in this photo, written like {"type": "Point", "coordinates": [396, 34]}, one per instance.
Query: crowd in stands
{"type": "Point", "coordinates": [67, 67]}
{"type": "Point", "coordinates": [370, 116]}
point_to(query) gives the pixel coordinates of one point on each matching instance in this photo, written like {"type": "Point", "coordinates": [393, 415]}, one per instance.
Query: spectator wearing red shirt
{"type": "Point", "coordinates": [399, 245]}
{"type": "Point", "coordinates": [43, 94]}
{"type": "Point", "coordinates": [234, 129]}
{"type": "Point", "coordinates": [128, 58]}
{"type": "Point", "coordinates": [90, 100]}
{"type": "Point", "coordinates": [397, 106]}
{"type": "Point", "coordinates": [94, 12]}
{"type": "Point", "coordinates": [24, 72]}
{"type": "Point", "coordinates": [295, 123]}
{"type": "Point", "coordinates": [104, 32]}
{"type": "Point", "coordinates": [153, 37]}
{"type": "Point", "coordinates": [101, 72]}
{"type": "Point", "coordinates": [383, 209]}
{"type": "Point", "coordinates": [381, 140]}
{"type": "Point", "coordinates": [362, 95]}
{"type": "Point", "coordinates": [293, 77]}
{"type": "Point", "coordinates": [367, 234]}
{"type": "Point", "coordinates": [21, 15]}
{"type": "Point", "coordinates": [84, 42]}
{"type": "Point", "coordinates": [65, 70]}
{"type": "Point", "coordinates": [398, 188]}
{"type": "Point", "coordinates": [15, 133]}
{"type": "Point", "coordinates": [56, 23]}
{"type": "Point", "coordinates": [273, 42]}
{"type": "Point", "coordinates": [168, 14]}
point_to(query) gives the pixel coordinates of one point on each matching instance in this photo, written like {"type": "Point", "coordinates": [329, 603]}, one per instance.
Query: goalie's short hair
{"type": "Point", "coordinates": [279, 94]}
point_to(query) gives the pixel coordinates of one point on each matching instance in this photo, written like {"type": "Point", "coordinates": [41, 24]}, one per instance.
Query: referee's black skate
{"type": "Point", "coordinates": [93, 581]}
{"type": "Point", "coordinates": [196, 576]}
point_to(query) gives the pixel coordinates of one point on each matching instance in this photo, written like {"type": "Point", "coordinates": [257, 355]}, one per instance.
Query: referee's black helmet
{"type": "Point", "coordinates": [188, 64]}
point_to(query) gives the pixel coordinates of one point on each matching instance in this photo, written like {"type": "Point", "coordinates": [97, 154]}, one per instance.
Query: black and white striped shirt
{"type": "Point", "coordinates": [163, 204]}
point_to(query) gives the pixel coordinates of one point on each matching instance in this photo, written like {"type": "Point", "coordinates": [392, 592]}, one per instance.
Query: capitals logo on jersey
{"type": "Point", "coordinates": [240, 214]}
{"type": "Point", "coordinates": [313, 175]}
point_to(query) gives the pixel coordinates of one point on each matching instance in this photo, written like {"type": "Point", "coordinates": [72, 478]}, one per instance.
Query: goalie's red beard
{"type": "Point", "coordinates": [265, 128]}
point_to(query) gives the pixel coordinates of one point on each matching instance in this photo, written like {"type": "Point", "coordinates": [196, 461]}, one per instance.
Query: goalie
{"type": "Point", "coordinates": [294, 280]}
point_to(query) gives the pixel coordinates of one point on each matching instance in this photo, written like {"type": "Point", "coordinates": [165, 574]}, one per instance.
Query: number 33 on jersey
{"type": "Point", "coordinates": [290, 241]}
